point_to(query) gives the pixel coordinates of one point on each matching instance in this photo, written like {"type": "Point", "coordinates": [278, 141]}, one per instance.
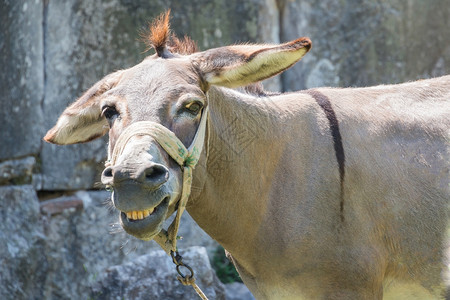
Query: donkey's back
{"type": "Point", "coordinates": [400, 172]}
{"type": "Point", "coordinates": [393, 153]}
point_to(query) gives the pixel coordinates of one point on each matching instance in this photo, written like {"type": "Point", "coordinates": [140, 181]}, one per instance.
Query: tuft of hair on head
{"type": "Point", "coordinates": [182, 46]}
{"type": "Point", "coordinates": [157, 35]}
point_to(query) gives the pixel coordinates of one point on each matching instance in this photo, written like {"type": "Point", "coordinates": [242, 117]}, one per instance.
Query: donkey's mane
{"type": "Point", "coordinates": [158, 36]}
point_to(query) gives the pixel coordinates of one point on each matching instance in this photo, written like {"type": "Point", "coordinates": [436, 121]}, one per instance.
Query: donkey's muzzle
{"type": "Point", "coordinates": [141, 195]}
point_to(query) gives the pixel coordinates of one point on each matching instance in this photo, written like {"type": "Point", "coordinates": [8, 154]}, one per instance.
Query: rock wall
{"type": "Point", "coordinates": [364, 42]}
{"type": "Point", "coordinates": [22, 78]}
{"type": "Point", "coordinates": [57, 235]}
{"type": "Point", "coordinates": [151, 277]}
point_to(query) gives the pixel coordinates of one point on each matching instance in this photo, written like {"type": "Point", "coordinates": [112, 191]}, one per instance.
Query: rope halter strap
{"type": "Point", "coordinates": [187, 158]}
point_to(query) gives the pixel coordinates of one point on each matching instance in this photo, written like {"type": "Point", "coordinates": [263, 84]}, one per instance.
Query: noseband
{"type": "Point", "coordinates": [187, 158]}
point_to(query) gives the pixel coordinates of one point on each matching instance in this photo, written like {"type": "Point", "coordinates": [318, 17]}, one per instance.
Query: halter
{"type": "Point", "coordinates": [187, 158]}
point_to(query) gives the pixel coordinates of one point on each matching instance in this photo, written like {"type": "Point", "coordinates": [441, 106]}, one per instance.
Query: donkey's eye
{"type": "Point", "coordinates": [109, 112]}
{"type": "Point", "coordinates": [194, 107]}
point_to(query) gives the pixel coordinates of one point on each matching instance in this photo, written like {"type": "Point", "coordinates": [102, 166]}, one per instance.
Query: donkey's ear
{"type": "Point", "coordinates": [82, 121]}
{"type": "Point", "coordinates": [241, 65]}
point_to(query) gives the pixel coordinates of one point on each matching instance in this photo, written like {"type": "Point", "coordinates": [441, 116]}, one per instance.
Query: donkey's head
{"type": "Point", "coordinates": [169, 89]}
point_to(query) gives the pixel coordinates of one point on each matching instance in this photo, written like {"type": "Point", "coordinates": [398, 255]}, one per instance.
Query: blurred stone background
{"type": "Point", "coordinates": [58, 238]}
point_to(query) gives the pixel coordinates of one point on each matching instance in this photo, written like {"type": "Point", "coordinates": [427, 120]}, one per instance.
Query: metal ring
{"type": "Point", "coordinates": [181, 273]}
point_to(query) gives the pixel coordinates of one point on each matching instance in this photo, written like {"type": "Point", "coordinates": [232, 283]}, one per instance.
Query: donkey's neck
{"type": "Point", "coordinates": [237, 174]}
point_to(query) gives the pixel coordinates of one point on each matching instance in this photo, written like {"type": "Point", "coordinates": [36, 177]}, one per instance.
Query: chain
{"type": "Point", "coordinates": [177, 259]}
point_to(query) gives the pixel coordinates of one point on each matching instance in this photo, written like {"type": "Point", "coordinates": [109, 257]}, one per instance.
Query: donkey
{"type": "Point", "coordinates": [320, 194]}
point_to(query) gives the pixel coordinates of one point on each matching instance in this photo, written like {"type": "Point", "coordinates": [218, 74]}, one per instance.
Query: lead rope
{"type": "Point", "coordinates": [187, 159]}
{"type": "Point", "coordinates": [186, 279]}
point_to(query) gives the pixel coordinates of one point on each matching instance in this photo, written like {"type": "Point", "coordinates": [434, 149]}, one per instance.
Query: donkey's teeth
{"type": "Point", "coordinates": [139, 215]}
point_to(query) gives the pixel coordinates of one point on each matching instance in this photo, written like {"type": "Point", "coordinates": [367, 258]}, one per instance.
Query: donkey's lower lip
{"type": "Point", "coordinates": [145, 228]}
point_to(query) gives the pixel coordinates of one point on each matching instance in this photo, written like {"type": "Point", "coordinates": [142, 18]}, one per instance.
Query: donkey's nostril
{"type": "Point", "coordinates": [155, 171]}
{"type": "Point", "coordinates": [107, 176]}
{"type": "Point", "coordinates": [108, 172]}
{"type": "Point", "coordinates": [155, 175]}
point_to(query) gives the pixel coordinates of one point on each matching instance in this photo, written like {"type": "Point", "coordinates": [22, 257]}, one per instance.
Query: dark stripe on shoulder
{"type": "Point", "coordinates": [326, 106]}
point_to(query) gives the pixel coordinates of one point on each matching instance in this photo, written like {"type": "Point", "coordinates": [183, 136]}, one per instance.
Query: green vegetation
{"type": "Point", "coordinates": [224, 267]}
